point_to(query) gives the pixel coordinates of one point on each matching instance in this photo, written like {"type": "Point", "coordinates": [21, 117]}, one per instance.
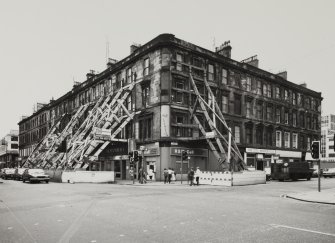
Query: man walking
{"type": "Point", "coordinates": [191, 176]}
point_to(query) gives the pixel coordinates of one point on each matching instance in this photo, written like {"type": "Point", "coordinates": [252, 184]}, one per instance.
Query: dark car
{"type": "Point", "coordinates": [18, 173]}
{"type": "Point", "coordinates": [34, 175]}
{"type": "Point", "coordinates": [7, 173]}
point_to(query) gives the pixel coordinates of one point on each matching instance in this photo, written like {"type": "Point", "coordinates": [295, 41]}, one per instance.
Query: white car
{"type": "Point", "coordinates": [328, 172]}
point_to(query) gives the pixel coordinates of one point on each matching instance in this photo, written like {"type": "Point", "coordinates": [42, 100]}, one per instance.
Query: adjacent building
{"type": "Point", "coordinates": [9, 150]}
{"type": "Point", "coordinates": [271, 118]}
{"type": "Point", "coordinates": [327, 137]}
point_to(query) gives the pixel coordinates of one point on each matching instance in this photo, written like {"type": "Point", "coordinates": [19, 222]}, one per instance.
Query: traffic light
{"type": "Point", "coordinates": [316, 149]}
{"type": "Point", "coordinates": [135, 155]}
{"type": "Point", "coordinates": [184, 155]}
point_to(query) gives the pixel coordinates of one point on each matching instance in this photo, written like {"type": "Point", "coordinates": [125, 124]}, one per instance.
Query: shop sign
{"type": "Point", "coordinates": [259, 156]}
{"type": "Point", "coordinates": [260, 151]}
{"type": "Point", "coordinates": [151, 151]}
{"type": "Point", "coordinates": [190, 152]}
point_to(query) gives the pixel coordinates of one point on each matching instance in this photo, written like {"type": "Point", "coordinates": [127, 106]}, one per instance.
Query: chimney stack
{"type": "Point", "coordinates": [134, 47]}
{"type": "Point", "coordinates": [91, 74]}
{"type": "Point", "coordinates": [283, 74]}
{"type": "Point", "coordinates": [253, 61]}
{"type": "Point", "coordinates": [111, 62]}
{"type": "Point", "coordinates": [224, 49]}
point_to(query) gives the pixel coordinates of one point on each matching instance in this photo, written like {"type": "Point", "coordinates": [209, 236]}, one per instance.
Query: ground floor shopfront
{"type": "Point", "coordinates": [156, 158]}
{"type": "Point", "coordinates": [260, 159]}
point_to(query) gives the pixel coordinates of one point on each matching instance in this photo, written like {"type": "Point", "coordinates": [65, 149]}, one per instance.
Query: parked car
{"type": "Point", "coordinates": [18, 173]}
{"type": "Point", "coordinates": [328, 172]}
{"type": "Point", "coordinates": [34, 175]}
{"type": "Point", "coordinates": [7, 173]}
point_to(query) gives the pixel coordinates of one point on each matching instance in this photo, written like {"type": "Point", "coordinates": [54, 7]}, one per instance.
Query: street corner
{"type": "Point", "coordinates": [326, 196]}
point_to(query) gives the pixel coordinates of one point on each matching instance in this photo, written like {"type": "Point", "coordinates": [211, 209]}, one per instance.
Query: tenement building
{"type": "Point", "coordinates": [271, 118]}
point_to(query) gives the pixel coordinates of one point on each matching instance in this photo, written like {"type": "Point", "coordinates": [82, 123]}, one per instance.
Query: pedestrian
{"type": "Point", "coordinates": [166, 175]}
{"type": "Point", "coordinates": [131, 173]}
{"type": "Point", "coordinates": [173, 177]}
{"type": "Point", "coordinates": [191, 176]}
{"type": "Point", "coordinates": [150, 174]}
{"type": "Point", "coordinates": [140, 175]}
{"type": "Point", "coordinates": [144, 174]}
{"type": "Point", "coordinates": [197, 175]}
{"type": "Point", "coordinates": [170, 175]}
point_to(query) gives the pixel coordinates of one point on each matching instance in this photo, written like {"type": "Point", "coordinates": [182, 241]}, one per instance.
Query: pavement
{"type": "Point", "coordinates": [326, 196]}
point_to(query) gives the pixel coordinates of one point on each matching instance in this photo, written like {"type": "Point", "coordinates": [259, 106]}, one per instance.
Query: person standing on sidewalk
{"type": "Point", "coordinates": [197, 175]}
{"type": "Point", "coordinates": [191, 176]}
{"type": "Point", "coordinates": [166, 175]}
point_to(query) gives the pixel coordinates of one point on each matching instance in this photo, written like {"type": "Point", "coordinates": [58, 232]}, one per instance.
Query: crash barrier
{"type": "Point", "coordinates": [88, 176]}
{"type": "Point", "coordinates": [54, 175]}
{"type": "Point", "coordinates": [249, 178]}
{"type": "Point", "coordinates": [228, 178]}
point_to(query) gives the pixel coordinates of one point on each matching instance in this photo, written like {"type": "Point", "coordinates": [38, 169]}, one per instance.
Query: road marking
{"type": "Point", "coordinates": [121, 235]}
{"type": "Point", "coordinates": [36, 224]}
{"type": "Point", "coordinates": [19, 221]}
{"type": "Point", "coordinates": [76, 224]}
{"type": "Point", "coordinates": [93, 241]}
{"type": "Point", "coordinates": [301, 229]}
{"type": "Point", "coordinates": [59, 220]}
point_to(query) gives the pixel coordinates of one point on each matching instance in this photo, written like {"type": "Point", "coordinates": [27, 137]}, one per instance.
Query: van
{"type": "Point", "coordinates": [291, 171]}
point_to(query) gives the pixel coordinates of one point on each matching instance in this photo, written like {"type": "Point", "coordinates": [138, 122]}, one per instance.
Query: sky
{"type": "Point", "coordinates": [47, 45]}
